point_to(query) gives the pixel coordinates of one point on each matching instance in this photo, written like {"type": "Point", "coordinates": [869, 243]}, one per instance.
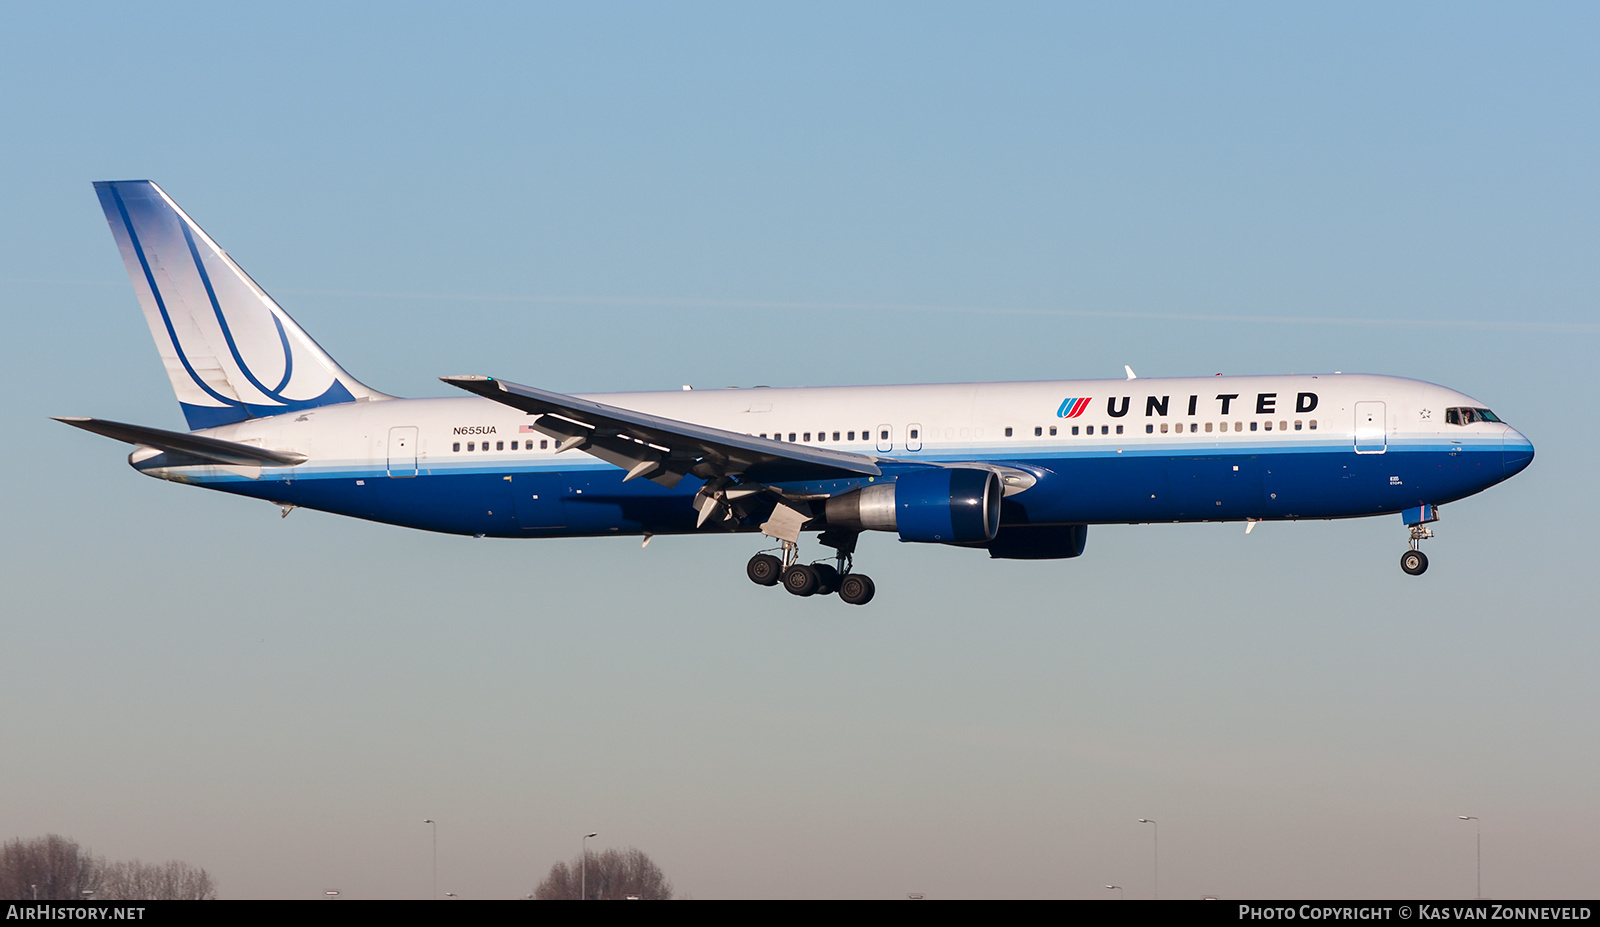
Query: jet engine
{"type": "Point", "coordinates": [940, 505]}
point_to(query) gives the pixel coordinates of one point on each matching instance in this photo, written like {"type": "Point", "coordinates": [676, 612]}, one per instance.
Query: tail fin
{"type": "Point", "coordinates": [231, 352]}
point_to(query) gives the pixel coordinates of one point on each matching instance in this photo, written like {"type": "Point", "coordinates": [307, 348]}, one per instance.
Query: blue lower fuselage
{"type": "Point", "coordinates": [555, 497]}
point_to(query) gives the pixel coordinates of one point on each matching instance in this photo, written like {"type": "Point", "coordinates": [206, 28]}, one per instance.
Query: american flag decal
{"type": "Point", "coordinates": [527, 430]}
{"type": "Point", "coordinates": [1072, 408]}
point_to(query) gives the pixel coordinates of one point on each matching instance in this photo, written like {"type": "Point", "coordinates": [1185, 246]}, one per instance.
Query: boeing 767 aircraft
{"type": "Point", "coordinates": [1020, 470]}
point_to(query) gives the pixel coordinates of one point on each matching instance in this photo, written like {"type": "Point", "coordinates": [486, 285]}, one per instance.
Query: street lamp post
{"type": "Point", "coordinates": [583, 885]}
{"type": "Point", "coordinates": [1155, 855]}
{"type": "Point", "coordinates": [435, 856]}
{"type": "Point", "coordinates": [1479, 827]}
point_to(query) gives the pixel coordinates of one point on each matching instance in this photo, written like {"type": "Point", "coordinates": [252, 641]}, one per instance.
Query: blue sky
{"type": "Point", "coordinates": [598, 197]}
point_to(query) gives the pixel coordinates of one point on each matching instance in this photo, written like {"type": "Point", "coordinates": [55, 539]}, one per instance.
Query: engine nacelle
{"type": "Point", "coordinates": [1039, 542]}
{"type": "Point", "coordinates": [940, 505]}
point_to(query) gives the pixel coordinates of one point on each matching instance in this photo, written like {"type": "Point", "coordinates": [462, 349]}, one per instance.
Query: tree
{"type": "Point", "coordinates": [169, 881]}
{"type": "Point", "coordinates": [612, 876]}
{"type": "Point", "coordinates": [50, 868]}
{"type": "Point", "coordinates": [56, 868]}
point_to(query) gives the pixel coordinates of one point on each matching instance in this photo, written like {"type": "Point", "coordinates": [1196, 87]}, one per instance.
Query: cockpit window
{"type": "Point", "coordinates": [1463, 415]}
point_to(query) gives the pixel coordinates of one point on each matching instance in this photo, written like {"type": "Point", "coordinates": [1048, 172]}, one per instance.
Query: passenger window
{"type": "Point", "coordinates": [1038, 432]}
{"type": "Point", "coordinates": [1074, 429]}
{"type": "Point", "coordinates": [456, 446]}
{"type": "Point", "coordinates": [808, 437]}
{"type": "Point", "coordinates": [1105, 429]}
{"type": "Point", "coordinates": [1149, 429]}
{"type": "Point", "coordinates": [513, 445]}
{"type": "Point", "coordinates": [472, 445]}
{"type": "Point", "coordinates": [852, 435]}
{"type": "Point", "coordinates": [1296, 426]}
{"type": "Point", "coordinates": [544, 444]}
{"type": "Point", "coordinates": [1163, 427]}
{"type": "Point", "coordinates": [791, 437]}
{"type": "Point", "coordinates": [1194, 427]}
{"type": "Point", "coordinates": [499, 445]}
{"type": "Point", "coordinates": [883, 435]}
{"type": "Point", "coordinates": [1252, 426]}
{"type": "Point", "coordinates": [836, 436]}
{"type": "Point", "coordinates": [1269, 426]}
{"type": "Point", "coordinates": [1283, 426]}
{"type": "Point", "coordinates": [1238, 426]}
{"type": "Point", "coordinates": [1052, 431]}
{"type": "Point", "coordinates": [1119, 429]}
{"type": "Point", "coordinates": [1313, 424]}
{"type": "Point", "coordinates": [1208, 428]}
{"type": "Point", "coordinates": [1008, 433]}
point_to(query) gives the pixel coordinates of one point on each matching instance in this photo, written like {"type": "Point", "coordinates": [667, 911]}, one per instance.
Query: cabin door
{"type": "Point", "coordinates": [403, 451]}
{"type": "Point", "coordinates": [1371, 428]}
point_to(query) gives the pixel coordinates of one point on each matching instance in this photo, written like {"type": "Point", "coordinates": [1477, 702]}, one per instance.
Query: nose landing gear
{"type": "Point", "coordinates": [1414, 561]}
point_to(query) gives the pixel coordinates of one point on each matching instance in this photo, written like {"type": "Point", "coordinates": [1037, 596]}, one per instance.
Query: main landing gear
{"type": "Point", "coordinates": [805, 579]}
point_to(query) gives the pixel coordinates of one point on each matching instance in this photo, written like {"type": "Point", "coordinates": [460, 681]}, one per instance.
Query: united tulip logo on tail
{"type": "Point", "coordinates": [1072, 408]}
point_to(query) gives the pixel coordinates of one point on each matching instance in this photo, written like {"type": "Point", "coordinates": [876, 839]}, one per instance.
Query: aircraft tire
{"type": "Point", "coordinates": [856, 589]}
{"type": "Point", "coordinates": [801, 579]}
{"type": "Point", "coordinates": [764, 570]}
{"type": "Point", "coordinates": [1414, 562]}
{"type": "Point", "coordinates": [828, 579]}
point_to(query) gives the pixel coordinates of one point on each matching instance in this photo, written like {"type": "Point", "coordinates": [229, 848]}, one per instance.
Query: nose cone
{"type": "Point", "coordinates": [1517, 452]}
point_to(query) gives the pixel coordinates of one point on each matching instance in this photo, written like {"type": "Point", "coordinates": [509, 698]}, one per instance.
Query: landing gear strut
{"type": "Point", "coordinates": [805, 579]}
{"type": "Point", "coordinates": [1414, 561]}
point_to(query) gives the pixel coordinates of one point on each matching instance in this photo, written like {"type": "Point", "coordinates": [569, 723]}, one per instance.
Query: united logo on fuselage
{"type": "Point", "coordinates": [1072, 408]}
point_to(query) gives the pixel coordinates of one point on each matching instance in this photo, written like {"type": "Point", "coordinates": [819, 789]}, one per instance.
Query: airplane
{"type": "Point", "coordinates": [1020, 470]}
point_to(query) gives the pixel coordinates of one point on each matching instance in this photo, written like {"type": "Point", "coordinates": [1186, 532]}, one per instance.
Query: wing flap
{"type": "Point", "coordinates": [630, 439]}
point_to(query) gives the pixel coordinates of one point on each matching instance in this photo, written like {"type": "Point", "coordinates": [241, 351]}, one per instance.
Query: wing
{"type": "Point", "coordinates": [664, 449]}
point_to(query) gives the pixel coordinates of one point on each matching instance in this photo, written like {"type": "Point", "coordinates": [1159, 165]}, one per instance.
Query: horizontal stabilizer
{"type": "Point", "coordinates": [215, 450]}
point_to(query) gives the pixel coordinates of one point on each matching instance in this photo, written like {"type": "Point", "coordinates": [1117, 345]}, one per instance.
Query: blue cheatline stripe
{"type": "Point", "coordinates": [454, 465]}
{"type": "Point", "coordinates": [242, 412]}
{"type": "Point", "coordinates": [227, 332]}
{"type": "Point", "coordinates": [513, 462]}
